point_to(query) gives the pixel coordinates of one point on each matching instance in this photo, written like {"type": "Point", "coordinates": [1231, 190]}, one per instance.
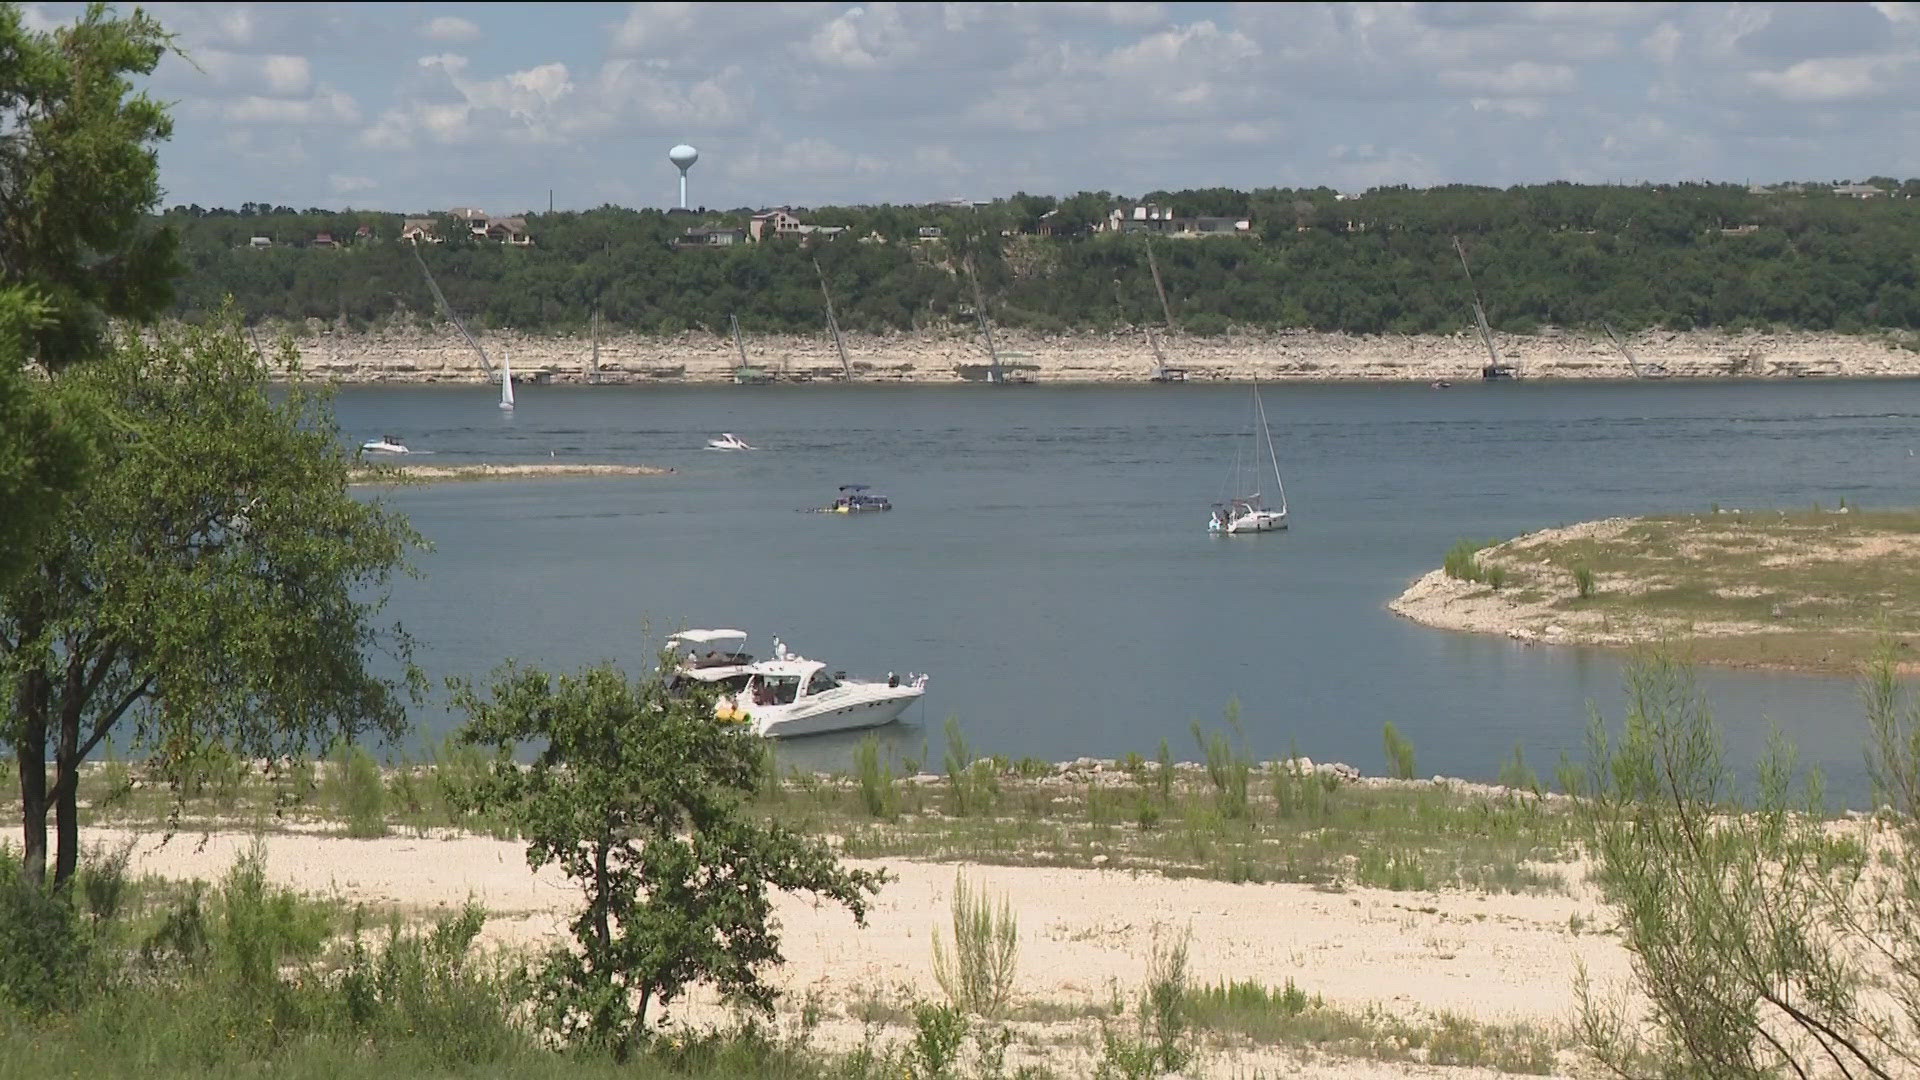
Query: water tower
{"type": "Point", "coordinates": [683, 157]}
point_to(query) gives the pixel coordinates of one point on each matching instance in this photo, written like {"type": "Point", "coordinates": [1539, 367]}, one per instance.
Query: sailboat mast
{"type": "Point", "coordinates": [1166, 309]}
{"type": "Point", "coordinates": [1279, 484]}
{"type": "Point", "coordinates": [734, 322]}
{"type": "Point", "coordinates": [593, 373]}
{"type": "Point", "coordinates": [447, 310]}
{"type": "Point", "coordinates": [833, 324]}
{"type": "Point", "coordinates": [986, 327]}
{"type": "Point", "coordinates": [1631, 362]}
{"type": "Point", "coordinates": [1479, 313]}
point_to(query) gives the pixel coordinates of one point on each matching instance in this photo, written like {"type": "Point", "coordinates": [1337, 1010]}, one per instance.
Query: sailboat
{"type": "Point", "coordinates": [506, 382]}
{"type": "Point", "coordinates": [745, 374]}
{"type": "Point", "coordinates": [1648, 370]}
{"type": "Point", "coordinates": [833, 324]}
{"type": "Point", "coordinates": [996, 374]}
{"type": "Point", "coordinates": [1249, 513]}
{"type": "Point", "coordinates": [1494, 369]}
{"type": "Point", "coordinates": [1161, 372]}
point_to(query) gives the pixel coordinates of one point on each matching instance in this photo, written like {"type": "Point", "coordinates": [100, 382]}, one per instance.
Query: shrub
{"type": "Point", "coordinates": [1460, 563]}
{"type": "Point", "coordinates": [1164, 1017]}
{"type": "Point", "coordinates": [44, 947]}
{"type": "Point", "coordinates": [1583, 581]}
{"type": "Point", "coordinates": [1399, 750]}
{"type": "Point", "coordinates": [977, 975]}
{"type": "Point", "coordinates": [361, 794]}
{"type": "Point", "coordinates": [876, 779]}
{"type": "Point", "coordinates": [1227, 769]}
{"type": "Point", "coordinates": [971, 783]}
{"type": "Point", "coordinates": [939, 1031]}
{"type": "Point", "coordinates": [1515, 773]}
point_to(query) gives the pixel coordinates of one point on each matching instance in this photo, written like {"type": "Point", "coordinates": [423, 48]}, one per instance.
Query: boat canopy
{"type": "Point", "coordinates": [853, 487]}
{"type": "Point", "coordinates": [705, 637]}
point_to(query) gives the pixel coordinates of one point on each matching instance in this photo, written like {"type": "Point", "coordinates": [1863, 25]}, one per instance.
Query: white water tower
{"type": "Point", "coordinates": [683, 157]}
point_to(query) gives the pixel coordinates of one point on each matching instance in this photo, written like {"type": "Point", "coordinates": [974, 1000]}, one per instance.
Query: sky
{"type": "Point", "coordinates": [414, 107]}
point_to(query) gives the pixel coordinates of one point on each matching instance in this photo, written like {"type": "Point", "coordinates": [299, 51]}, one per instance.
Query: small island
{"type": "Point", "coordinates": [401, 474]}
{"type": "Point", "coordinates": [1799, 590]}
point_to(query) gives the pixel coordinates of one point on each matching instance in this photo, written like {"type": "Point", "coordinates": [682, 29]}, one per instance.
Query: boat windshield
{"type": "Point", "coordinates": [821, 682]}
{"type": "Point", "coordinates": [775, 689]}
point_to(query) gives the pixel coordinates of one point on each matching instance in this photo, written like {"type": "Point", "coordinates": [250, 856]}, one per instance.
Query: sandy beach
{"type": "Point", "coordinates": [438, 354]}
{"type": "Point", "coordinates": [1085, 935]}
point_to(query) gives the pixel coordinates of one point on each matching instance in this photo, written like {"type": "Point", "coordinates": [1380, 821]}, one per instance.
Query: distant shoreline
{"type": "Point", "coordinates": [437, 355]}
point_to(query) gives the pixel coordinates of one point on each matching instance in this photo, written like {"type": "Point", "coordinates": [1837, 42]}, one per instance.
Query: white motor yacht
{"type": "Point", "coordinates": [386, 444]}
{"type": "Point", "coordinates": [791, 695]}
{"type": "Point", "coordinates": [711, 656]}
{"type": "Point", "coordinates": [729, 441]}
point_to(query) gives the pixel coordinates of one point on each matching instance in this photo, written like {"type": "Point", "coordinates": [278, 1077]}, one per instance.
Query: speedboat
{"type": "Point", "coordinates": [729, 441]}
{"type": "Point", "coordinates": [714, 657]}
{"type": "Point", "coordinates": [1248, 515]}
{"type": "Point", "coordinates": [855, 500]}
{"type": "Point", "coordinates": [791, 695]}
{"type": "Point", "coordinates": [386, 444]}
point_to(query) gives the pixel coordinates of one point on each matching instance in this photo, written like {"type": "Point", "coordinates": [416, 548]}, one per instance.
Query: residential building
{"type": "Point", "coordinates": [259, 242]}
{"type": "Point", "coordinates": [1858, 191]}
{"type": "Point", "coordinates": [418, 230]}
{"type": "Point", "coordinates": [1153, 218]}
{"type": "Point", "coordinates": [323, 240]}
{"type": "Point", "coordinates": [701, 236]}
{"type": "Point", "coordinates": [930, 232]}
{"type": "Point", "coordinates": [509, 230]}
{"type": "Point", "coordinates": [768, 223]}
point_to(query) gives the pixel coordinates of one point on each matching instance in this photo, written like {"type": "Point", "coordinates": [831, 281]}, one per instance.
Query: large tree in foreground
{"type": "Point", "coordinates": [1766, 941]}
{"type": "Point", "coordinates": [641, 797]}
{"type": "Point", "coordinates": [79, 173]}
{"type": "Point", "coordinates": [213, 584]}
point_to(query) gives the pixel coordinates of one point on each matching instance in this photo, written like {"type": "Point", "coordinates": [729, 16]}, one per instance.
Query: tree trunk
{"type": "Point", "coordinates": [31, 750]}
{"type": "Point", "coordinates": [601, 929]}
{"type": "Point", "coordinates": [66, 801]}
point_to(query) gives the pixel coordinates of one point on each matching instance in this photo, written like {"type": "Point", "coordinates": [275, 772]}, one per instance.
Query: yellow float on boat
{"type": "Point", "coordinates": [727, 712]}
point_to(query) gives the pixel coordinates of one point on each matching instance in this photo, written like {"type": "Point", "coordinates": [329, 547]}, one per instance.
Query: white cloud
{"type": "Point", "coordinates": [1529, 108]}
{"type": "Point", "coordinates": [1662, 43]}
{"type": "Point", "coordinates": [1830, 79]}
{"type": "Point", "coordinates": [866, 37]}
{"type": "Point", "coordinates": [1522, 77]}
{"type": "Point", "coordinates": [325, 107]}
{"type": "Point", "coordinates": [450, 28]}
{"type": "Point", "coordinates": [653, 26]}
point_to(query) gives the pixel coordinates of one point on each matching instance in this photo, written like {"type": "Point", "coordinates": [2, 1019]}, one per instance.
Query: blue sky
{"type": "Point", "coordinates": [411, 107]}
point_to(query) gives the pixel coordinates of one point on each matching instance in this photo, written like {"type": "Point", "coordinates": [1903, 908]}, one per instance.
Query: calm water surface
{"type": "Point", "coordinates": [1047, 559]}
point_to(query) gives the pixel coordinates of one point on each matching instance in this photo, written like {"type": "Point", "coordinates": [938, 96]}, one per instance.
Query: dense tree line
{"type": "Point", "coordinates": [1676, 256]}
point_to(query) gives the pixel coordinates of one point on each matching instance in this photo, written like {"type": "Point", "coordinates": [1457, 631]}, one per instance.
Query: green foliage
{"type": "Point", "coordinates": [972, 784]}
{"type": "Point", "coordinates": [1164, 775]}
{"type": "Point", "coordinates": [215, 573]}
{"type": "Point", "coordinates": [1551, 254]}
{"type": "Point", "coordinates": [876, 779]}
{"type": "Point", "coordinates": [1461, 564]}
{"type": "Point", "coordinates": [1161, 1043]}
{"type": "Point", "coordinates": [1515, 773]}
{"type": "Point", "coordinates": [1228, 770]}
{"type": "Point", "coordinates": [642, 801]}
{"type": "Point", "coordinates": [1399, 751]}
{"type": "Point", "coordinates": [44, 946]}
{"type": "Point", "coordinates": [1583, 581]}
{"type": "Point", "coordinates": [977, 974]}
{"type": "Point", "coordinates": [79, 172]}
{"type": "Point", "coordinates": [44, 449]}
{"type": "Point", "coordinates": [360, 794]}
{"type": "Point", "coordinates": [1760, 942]}
{"type": "Point", "coordinates": [939, 1033]}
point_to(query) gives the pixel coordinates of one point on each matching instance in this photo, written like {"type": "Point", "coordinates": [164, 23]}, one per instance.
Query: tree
{"type": "Point", "coordinates": [213, 582]}
{"type": "Point", "coordinates": [1766, 941]}
{"type": "Point", "coordinates": [640, 795]}
{"type": "Point", "coordinates": [43, 448]}
{"type": "Point", "coordinates": [78, 174]}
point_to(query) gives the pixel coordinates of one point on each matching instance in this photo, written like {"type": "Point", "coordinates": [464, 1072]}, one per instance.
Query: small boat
{"type": "Point", "coordinates": [729, 441]}
{"type": "Point", "coordinates": [506, 382]}
{"type": "Point", "coordinates": [386, 444]}
{"type": "Point", "coordinates": [855, 500]}
{"type": "Point", "coordinates": [1441, 384]}
{"type": "Point", "coordinates": [791, 695]}
{"type": "Point", "coordinates": [1249, 513]}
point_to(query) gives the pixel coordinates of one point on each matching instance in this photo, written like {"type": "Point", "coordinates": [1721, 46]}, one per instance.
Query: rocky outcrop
{"type": "Point", "coordinates": [440, 355]}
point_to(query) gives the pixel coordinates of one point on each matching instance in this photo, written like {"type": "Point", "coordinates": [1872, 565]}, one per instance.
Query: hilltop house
{"type": "Point", "coordinates": [1153, 218]}
{"type": "Point", "coordinates": [768, 223]}
{"type": "Point", "coordinates": [703, 236]}
{"type": "Point", "coordinates": [482, 226]}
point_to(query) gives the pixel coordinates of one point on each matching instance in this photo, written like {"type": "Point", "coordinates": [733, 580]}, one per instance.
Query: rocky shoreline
{"type": "Point", "coordinates": [439, 355]}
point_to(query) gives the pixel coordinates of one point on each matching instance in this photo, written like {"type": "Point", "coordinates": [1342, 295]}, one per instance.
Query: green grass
{"type": "Point", "coordinates": [1808, 589]}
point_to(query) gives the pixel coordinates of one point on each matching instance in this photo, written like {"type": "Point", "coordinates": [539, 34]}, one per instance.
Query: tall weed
{"type": "Point", "coordinates": [977, 975]}
{"type": "Point", "coordinates": [1399, 751]}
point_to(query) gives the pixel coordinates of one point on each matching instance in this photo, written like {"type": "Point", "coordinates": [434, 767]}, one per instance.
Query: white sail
{"type": "Point", "coordinates": [506, 381]}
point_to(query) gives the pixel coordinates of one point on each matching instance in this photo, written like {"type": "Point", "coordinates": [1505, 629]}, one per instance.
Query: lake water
{"type": "Point", "coordinates": [1047, 559]}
